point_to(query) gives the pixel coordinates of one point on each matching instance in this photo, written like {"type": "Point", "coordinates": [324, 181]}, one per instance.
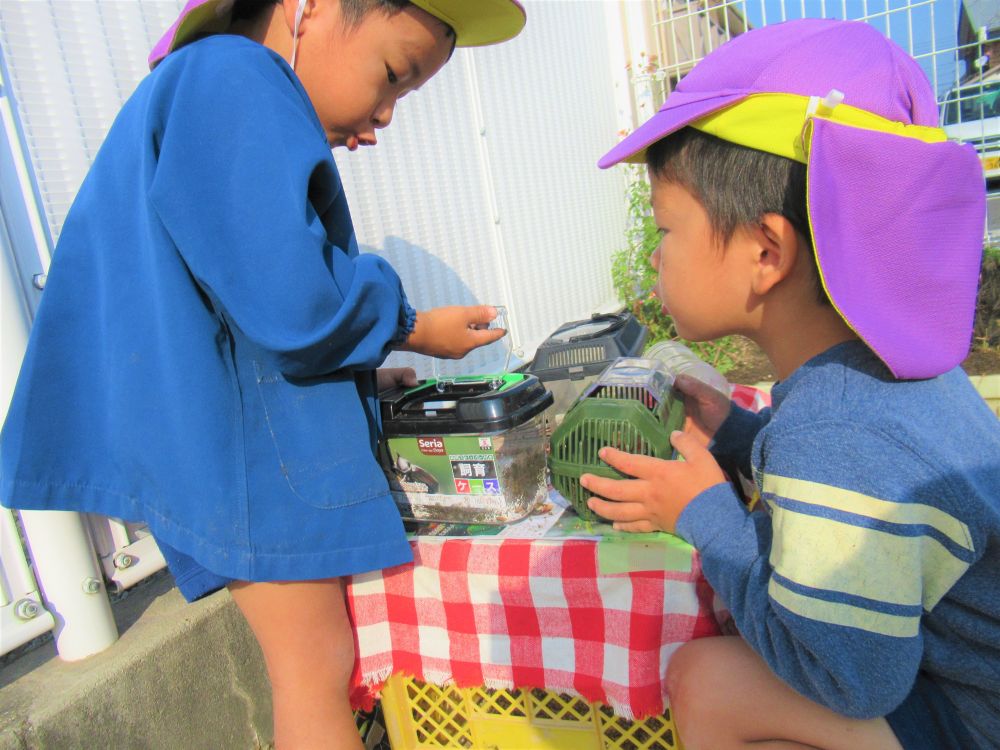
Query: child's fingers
{"type": "Point", "coordinates": [615, 489]}
{"type": "Point", "coordinates": [690, 386]}
{"type": "Point", "coordinates": [389, 377]}
{"type": "Point", "coordinates": [624, 512]}
{"type": "Point", "coordinates": [688, 446]}
{"type": "Point", "coordinates": [482, 337]}
{"type": "Point", "coordinates": [481, 315]}
{"type": "Point", "coordinates": [699, 390]}
{"type": "Point", "coordinates": [635, 527]}
{"type": "Point", "coordinates": [633, 464]}
{"type": "Point", "coordinates": [694, 428]}
{"type": "Point", "coordinates": [473, 339]}
{"type": "Point", "coordinates": [408, 377]}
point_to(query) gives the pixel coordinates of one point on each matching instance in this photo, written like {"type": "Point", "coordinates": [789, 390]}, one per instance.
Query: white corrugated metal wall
{"type": "Point", "coordinates": [483, 190]}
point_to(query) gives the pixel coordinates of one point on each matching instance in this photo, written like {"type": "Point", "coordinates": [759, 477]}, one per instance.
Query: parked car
{"type": "Point", "coordinates": [971, 113]}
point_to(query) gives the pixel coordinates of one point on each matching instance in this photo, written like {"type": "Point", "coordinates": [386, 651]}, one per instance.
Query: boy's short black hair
{"type": "Point", "coordinates": [736, 185]}
{"type": "Point", "coordinates": [353, 10]}
{"type": "Point", "coordinates": [249, 9]}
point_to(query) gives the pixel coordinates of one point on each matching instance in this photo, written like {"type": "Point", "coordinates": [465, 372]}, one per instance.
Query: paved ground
{"type": "Point", "coordinates": [181, 676]}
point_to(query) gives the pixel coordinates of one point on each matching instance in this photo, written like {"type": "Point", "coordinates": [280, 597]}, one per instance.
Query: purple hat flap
{"type": "Point", "coordinates": [901, 269]}
{"type": "Point", "coordinates": [197, 17]}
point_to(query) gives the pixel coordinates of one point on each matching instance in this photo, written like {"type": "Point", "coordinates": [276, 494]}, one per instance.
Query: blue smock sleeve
{"type": "Point", "coordinates": [247, 188]}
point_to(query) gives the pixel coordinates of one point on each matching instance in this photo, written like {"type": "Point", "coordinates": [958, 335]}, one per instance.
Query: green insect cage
{"type": "Point", "coordinates": [631, 406]}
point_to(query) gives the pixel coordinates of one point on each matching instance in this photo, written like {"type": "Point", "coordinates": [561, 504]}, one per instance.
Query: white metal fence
{"type": "Point", "coordinates": [956, 42]}
{"type": "Point", "coordinates": [516, 194]}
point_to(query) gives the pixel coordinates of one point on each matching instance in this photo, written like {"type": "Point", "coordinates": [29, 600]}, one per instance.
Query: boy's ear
{"type": "Point", "coordinates": [296, 9]}
{"type": "Point", "coordinates": [776, 250]}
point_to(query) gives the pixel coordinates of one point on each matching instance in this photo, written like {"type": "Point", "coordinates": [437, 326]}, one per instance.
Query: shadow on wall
{"type": "Point", "coordinates": [430, 282]}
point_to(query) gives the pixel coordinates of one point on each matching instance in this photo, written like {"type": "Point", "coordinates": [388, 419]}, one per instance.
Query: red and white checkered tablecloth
{"type": "Point", "coordinates": [521, 613]}
{"type": "Point", "coordinates": [749, 397]}
{"type": "Point", "coordinates": [526, 613]}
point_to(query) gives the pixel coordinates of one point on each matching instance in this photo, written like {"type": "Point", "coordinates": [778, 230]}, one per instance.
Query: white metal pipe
{"type": "Point", "coordinates": [71, 582]}
{"type": "Point", "coordinates": [618, 62]}
{"type": "Point", "coordinates": [24, 180]}
{"type": "Point", "coordinates": [68, 574]}
{"type": "Point", "coordinates": [638, 26]}
{"type": "Point", "coordinates": [22, 614]}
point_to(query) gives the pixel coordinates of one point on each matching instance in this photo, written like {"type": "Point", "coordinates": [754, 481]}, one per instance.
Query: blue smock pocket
{"type": "Point", "coordinates": [322, 438]}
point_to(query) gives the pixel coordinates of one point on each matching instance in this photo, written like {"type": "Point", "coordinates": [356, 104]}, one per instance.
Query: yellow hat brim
{"type": "Point", "coordinates": [478, 22]}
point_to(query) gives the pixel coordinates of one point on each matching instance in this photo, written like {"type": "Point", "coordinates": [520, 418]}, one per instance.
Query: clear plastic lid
{"type": "Point", "coordinates": [629, 377]}
{"type": "Point", "coordinates": [680, 360]}
{"type": "Point", "coordinates": [500, 321]}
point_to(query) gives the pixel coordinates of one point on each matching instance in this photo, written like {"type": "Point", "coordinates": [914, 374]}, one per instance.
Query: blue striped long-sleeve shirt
{"type": "Point", "coordinates": [878, 554]}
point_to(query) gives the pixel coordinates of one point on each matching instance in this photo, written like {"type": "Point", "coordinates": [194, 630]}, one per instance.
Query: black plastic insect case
{"type": "Point", "coordinates": [578, 351]}
{"type": "Point", "coordinates": [467, 450]}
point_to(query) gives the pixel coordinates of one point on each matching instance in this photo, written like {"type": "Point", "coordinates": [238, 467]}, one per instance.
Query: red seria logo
{"type": "Point", "coordinates": [431, 446]}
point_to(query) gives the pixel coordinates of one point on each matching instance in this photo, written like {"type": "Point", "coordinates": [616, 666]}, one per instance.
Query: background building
{"type": "Point", "coordinates": [979, 38]}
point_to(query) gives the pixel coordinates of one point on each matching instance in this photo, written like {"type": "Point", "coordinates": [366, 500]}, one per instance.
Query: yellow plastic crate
{"type": "Point", "coordinates": [428, 717]}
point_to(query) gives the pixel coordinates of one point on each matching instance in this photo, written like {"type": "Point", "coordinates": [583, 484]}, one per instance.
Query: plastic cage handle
{"type": "Point", "coordinates": [617, 321]}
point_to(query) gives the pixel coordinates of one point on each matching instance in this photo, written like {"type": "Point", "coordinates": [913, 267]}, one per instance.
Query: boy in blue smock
{"type": "Point", "coordinates": [204, 357]}
{"type": "Point", "coordinates": [807, 200]}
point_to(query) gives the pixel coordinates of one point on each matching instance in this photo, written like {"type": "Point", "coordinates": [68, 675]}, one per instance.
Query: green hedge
{"type": "Point", "coordinates": [986, 333]}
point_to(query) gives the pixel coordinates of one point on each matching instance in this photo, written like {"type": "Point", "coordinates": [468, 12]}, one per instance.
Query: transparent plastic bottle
{"type": "Point", "coordinates": [680, 360]}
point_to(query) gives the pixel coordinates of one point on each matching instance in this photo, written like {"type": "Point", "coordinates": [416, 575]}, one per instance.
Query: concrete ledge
{"type": "Point", "coordinates": [181, 676]}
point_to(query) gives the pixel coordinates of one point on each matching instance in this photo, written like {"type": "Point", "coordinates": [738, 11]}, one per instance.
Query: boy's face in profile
{"type": "Point", "coordinates": [701, 285]}
{"type": "Point", "coordinates": [354, 75]}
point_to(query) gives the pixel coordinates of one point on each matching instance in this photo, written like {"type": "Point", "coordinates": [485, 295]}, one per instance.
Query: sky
{"type": "Point", "coordinates": [927, 29]}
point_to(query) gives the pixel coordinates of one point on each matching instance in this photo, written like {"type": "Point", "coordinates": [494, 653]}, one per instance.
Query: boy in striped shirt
{"type": "Point", "coordinates": [808, 201]}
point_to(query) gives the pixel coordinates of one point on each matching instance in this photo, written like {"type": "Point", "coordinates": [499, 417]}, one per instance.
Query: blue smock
{"type": "Point", "coordinates": [203, 356]}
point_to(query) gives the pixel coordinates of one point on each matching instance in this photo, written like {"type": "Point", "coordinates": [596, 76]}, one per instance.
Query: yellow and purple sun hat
{"type": "Point", "coordinates": [896, 211]}
{"type": "Point", "coordinates": [476, 22]}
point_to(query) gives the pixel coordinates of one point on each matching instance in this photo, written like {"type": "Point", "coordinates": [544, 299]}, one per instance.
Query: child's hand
{"type": "Point", "coordinates": [705, 408]}
{"type": "Point", "coordinates": [661, 489]}
{"type": "Point", "coordinates": [452, 332]}
{"type": "Point", "coordinates": [390, 377]}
